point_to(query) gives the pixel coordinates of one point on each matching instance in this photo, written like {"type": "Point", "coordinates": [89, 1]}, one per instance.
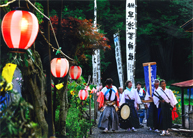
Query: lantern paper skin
{"type": "Point", "coordinates": [83, 94]}
{"type": "Point", "coordinates": [59, 67]}
{"type": "Point", "coordinates": [19, 29]}
{"type": "Point", "coordinates": [75, 72]}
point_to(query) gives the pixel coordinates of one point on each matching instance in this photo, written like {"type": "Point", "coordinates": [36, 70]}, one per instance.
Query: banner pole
{"type": "Point", "coordinates": [150, 90]}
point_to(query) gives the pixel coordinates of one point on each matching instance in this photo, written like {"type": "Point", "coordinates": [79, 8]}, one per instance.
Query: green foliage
{"type": "Point", "coordinates": [7, 8]}
{"type": "Point", "coordinates": [15, 120]}
{"type": "Point", "coordinates": [38, 15]}
{"type": "Point", "coordinates": [77, 122]}
{"type": "Point", "coordinates": [77, 13]}
{"type": "Point", "coordinates": [76, 126]}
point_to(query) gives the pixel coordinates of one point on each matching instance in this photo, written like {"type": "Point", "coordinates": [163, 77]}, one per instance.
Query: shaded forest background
{"type": "Point", "coordinates": [159, 36]}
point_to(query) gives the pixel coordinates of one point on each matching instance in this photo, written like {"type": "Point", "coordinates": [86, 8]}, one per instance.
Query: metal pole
{"type": "Point", "coordinates": [182, 99]}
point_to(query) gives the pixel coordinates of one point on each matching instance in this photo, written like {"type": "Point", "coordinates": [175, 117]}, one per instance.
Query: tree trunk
{"type": "Point", "coordinates": [63, 107]}
{"type": "Point", "coordinates": [34, 88]}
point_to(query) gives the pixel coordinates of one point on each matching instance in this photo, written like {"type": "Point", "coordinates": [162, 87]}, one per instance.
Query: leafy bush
{"type": "Point", "coordinates": [15, 121]}
{"type": "Point", "coordinates": [77, 121]}
{"type": "Point", "coordinates": [76, 126]}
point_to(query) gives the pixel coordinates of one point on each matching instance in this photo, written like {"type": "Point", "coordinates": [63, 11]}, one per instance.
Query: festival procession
{"type": "Point", "coordinates": [96, 69]}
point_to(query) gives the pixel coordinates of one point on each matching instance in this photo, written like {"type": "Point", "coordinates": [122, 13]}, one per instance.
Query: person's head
{"type": "Point", "coordinates": [120, 90]}
{"type": "Point", "coordinates": [138, 85]}
{"type": "Point", "coordinates": [156, 83]}
{"type": "Point", "coordinates": [109, 82]}
{"type": "Point", "coordinates": [163, 84]}
{"type": "Point", "coordinates": [128, 84]}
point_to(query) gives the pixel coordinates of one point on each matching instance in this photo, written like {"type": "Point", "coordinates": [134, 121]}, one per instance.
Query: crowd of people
{"type": "Point", "coordinates": [154, 110]}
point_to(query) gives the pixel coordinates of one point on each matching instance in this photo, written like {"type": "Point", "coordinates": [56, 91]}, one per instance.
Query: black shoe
{"type": "Point", "coordinates": [141, 126]}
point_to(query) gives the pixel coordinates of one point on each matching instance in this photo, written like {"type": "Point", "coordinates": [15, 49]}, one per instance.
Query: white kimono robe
{"type": "Point", "coordinates": [172, 99]}
{"type": "Point", "coordinates": [104, 90]}
{"type": "Point", "coordinates": [140, 92]}
{"type": "Point", "coordinates": [133, 95]}
{"type": "Point", "coordinates": [147, 96]}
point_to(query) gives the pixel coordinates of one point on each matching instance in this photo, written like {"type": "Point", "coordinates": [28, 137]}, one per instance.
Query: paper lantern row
{"type": "Point", "coordinates": [60, 67]}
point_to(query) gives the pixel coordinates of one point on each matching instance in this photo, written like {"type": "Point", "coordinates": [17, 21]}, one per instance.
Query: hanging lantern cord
{"type": "Point", "coordinates": [5, 5]}
{"type": "Point", "coordinates": [19, 3]}
{"type": "Point", "coordinates": [52, 30]}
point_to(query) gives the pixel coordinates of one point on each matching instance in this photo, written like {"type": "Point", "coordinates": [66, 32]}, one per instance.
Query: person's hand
{"type": "Point", "coordinates": [151, 98]}
{"type": "Point", "coordinates": [162, 101]}
{"type": "Point", "coordinates": [146, 107]}
{"type": "Point", "coordinates": [137, 108]}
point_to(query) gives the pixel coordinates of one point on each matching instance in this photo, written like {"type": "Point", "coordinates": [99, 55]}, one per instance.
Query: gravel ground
{"type": "Point", "coordinates": [121, 133]}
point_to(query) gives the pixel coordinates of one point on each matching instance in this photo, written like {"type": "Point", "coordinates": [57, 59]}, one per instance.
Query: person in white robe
{"type": "Point", "coordinates": [152, 115]}
{"type": "Point", "coordinates": [165, 101]}
{"type": "Point", "coordinates": [120, 90]}
{"type": "Point", "coordinates": [131, 97]}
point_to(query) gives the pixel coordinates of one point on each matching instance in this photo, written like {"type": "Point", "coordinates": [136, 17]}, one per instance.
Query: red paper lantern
{"type": "Point", "coordinates": [19, 29]}
{"type": "Point", "coordinates": [59, 67]}
{"type": "Point", "coordinates": [83, 94]}
{"type": "Point", "coordinates": [75, 72]}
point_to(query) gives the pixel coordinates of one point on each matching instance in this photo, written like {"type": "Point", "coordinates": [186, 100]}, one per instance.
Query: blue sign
{"type": "Point", "coordinates": [153, 77]}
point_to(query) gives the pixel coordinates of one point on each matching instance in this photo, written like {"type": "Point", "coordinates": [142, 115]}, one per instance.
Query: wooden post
{"type": "Point", "coordinates": [54, 101]}
{"type": "Point", "coordinates": [90, 115]}
{"type": "Point", "coordinates": [189, 99]}
{"type": "Point", "coordinates": [182, 101]}
{"type": "Point", "coordinates": [49, 116]}
{"type": "Point", "coordinates": [94, 107]}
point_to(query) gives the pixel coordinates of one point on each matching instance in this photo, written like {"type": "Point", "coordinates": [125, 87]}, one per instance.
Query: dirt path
{"type": "Point", "coordinates": [121, 133]}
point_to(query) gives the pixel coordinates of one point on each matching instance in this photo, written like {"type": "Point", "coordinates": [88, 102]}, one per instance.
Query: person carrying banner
{"type": "Point", "coordinates": [165, 101]}
{"type": "Point", "coordinates": [108, 102]}
{"type": "Point", "coordinates": [152, 110]}
{"type": "Point", "coordinates": [131, 97]}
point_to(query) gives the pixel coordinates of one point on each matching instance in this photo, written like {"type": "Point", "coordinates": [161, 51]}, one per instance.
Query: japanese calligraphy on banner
{"type": "Point", "coordinates": [131, 39]}
{"type": "Point", "coordinates": [94, 67]}
{"type": "Point", "coordinates": [96, 57]}
{"type": "Point", "coordinates": [118, 58]}
{"type": "Point", "coordinates": [150, 76]}
{"type": "Point", "coordinates": [98, 67]}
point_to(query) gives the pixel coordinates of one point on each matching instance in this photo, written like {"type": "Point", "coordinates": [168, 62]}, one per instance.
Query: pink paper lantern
{"type": "Point", "coordinates": [59, 67]}
{"type": "Point", "coordinates": [75, 72]}
{"type": "Point", "coordinates": [83, 94]}
{"type": "Point", "coordinates": [19, 29]}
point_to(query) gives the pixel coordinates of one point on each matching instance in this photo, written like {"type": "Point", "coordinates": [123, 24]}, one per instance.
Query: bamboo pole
{"type": "Point", "coordinates": [150, 89]}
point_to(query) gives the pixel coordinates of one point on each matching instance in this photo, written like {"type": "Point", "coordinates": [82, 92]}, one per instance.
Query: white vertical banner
{"type": "Point", "coordinates": [94, 67]}
{"type": "Point", "coordinates": [131, 39]}
{"type": "Point", "coordinates": [118, 58]}
{"type": "Point", "coordinates": [96, 56]}
{"type": "Point", "coordinates": [98, 67]}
